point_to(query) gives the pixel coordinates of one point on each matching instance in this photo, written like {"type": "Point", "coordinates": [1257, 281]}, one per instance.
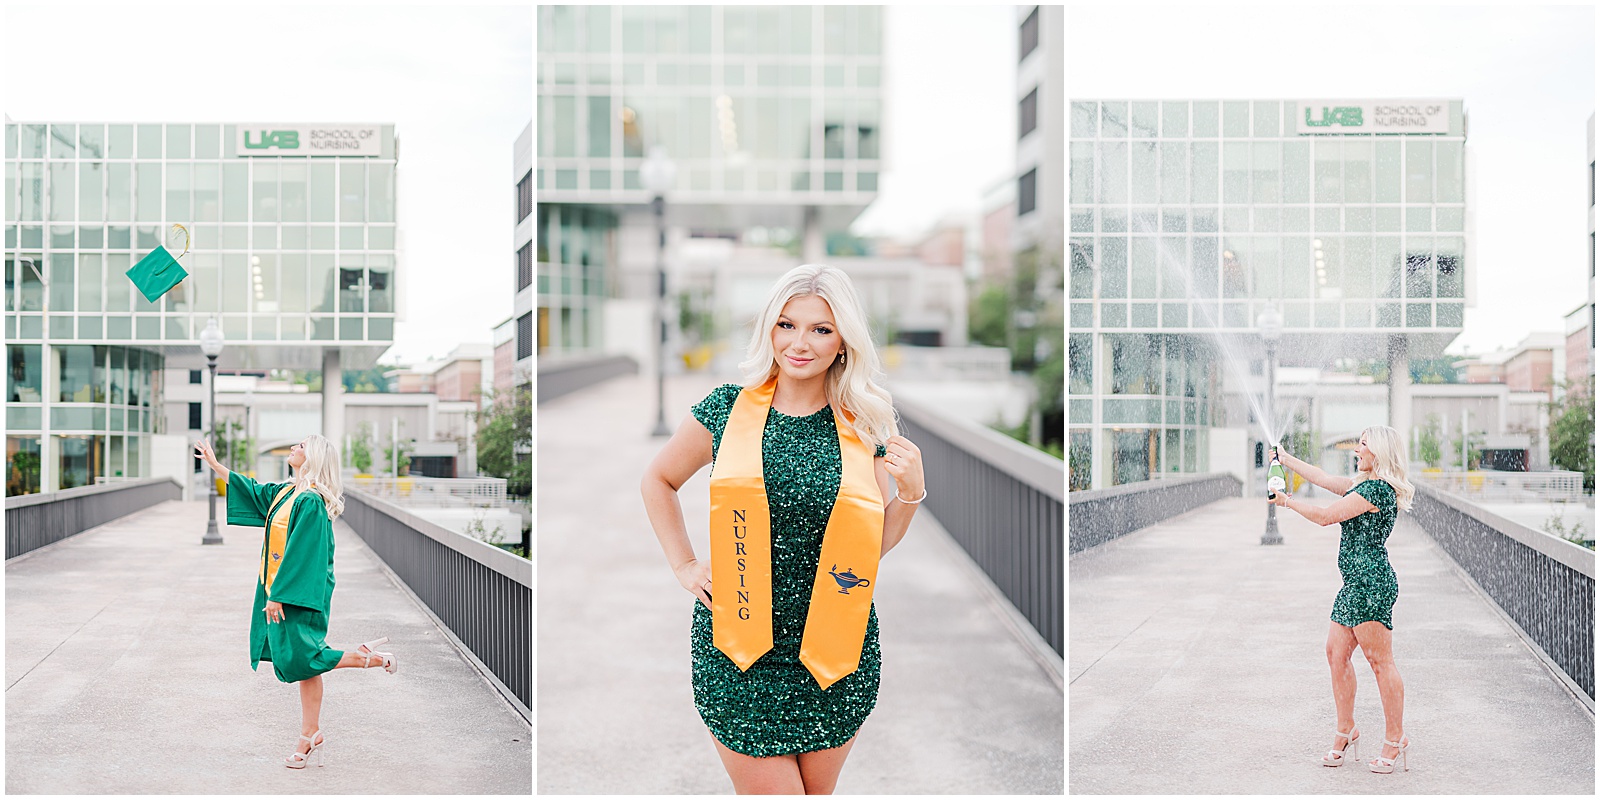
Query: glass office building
{"type": "Point", "coordinates": [772, 116]}
{"type": "Point", "coordinates": [293, 250]}
{"type": "Point", "coordinates": [1187, 217]}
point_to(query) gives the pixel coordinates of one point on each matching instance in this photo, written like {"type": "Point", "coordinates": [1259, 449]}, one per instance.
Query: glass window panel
{"type": "Point", "coordinates": [1449, 315]}
{"type": "Point", "coordinates": [380, 237]}
{"type": "Point", "coordinates": [1451, 172]}
{"type": "Point", "coordinates": [178, 141]}
{"type": "Point", "coordinates": [178, 193]}
{"type": "Point", "coordinates": [1419, 266]}
{"type": "Point", "coordinates": [1174, 255]}
{"type": "Point", "coordinates": [350, 328]}
{"type": "Point", "coordinates": [1419, 218]}
{"type": "Point", "coordinates": [292, 174]}
{"type": "Point", "coordinates": [91, 141]}
{"type": "Point", "coordinates": [1113, 267]}
{"type": "Point", "coordinates": [380, 276]}
{"type": "Point", "coordinates": [1146, 268]}
{"type": "Point", "coordinates": [1145, 120]}
{"type": "Point", "coordinates": [1386, 171]}
{"type": "Point", "coordinates": [62, 274]}
{"type": "Point", "coordinates": [149, 141]}
{"type": "Point", "coordinates": [1206, 120]}
{"type": "Point", "coordinates": [1236, 172]}
{"type": "Point", "coordinates": [320, 237]}
{"type": "Point", "coordinates": [1419, 171]}
{"type": "Point", "coordinates": [63, 141]}
{"type": "Point", "coordinates": [1419, 315]}
{"type": "Point", "coordinates": [119, 141]}
{"type": "Point", "coordinates": [1357, 265]}
{"type": "Point", "coordinates": [235, 191]}
{"type": "Point", "coordinates": [1358, 170]}
{"type": "Point", "coordinates": [207, 199]}
{"type": "Point", "coordinates": [1114, 120]}
{"type": "Point", "coordinates": [1174, 172]}
{"type": "Point", "coordinates": [63, 182]}
{"type": "Point", "coordinates": [1266, 118]}
{"type": "Point", "coordinates": [207, 141]}
{"type": "Point", "coordinates": [1450, 218]}
{"type": "Point", "coordinates": [1085, 120]}
{"type": "Point", "coordinates": [1146, 172]}
{"type": "Point", "coordinates": [1450, 260]}
{"type": "Point", "coordinates": [91, 191]}
{"type": "Point", "coordinates": [320, 282]}
{"type": "Point", "coordinates": [1266, 162]}
{"type": "Point", "coordinates": [322, 191]}
{"type": "Point", "coordinates": [1358, 218]}
{"type": "Point", "coordinates": [1174, 119]}
{"type": "Point", "coordinates": [264, 191]}
{"type": "Point", "coordinates": [89, 278]}
{"type": "Point", "coordinates": [32, 191]}
{"type": "Point", "coordinates": [380, 202]}
{"type": "Point", "coordinates": [1297, 172]}
{"type": "Point", "coordinates": [203, 267]}
{"type": "Point", "coordinates": [1296, 255]}
{"type": "Point", "coordinates": [236, 282]}
{"type": "Point", "coordinates": [352, 192]}
{"type": "Point", "coordinates": [1236, 119]}
{"type": "Point", "coordinates": [1203, 172]}
{"type": "Point", "coordinates": [1114, 172]}
{"type": "Point", "coordinates": [1082, 174]}
{"type": "Point", "coordinates": [563, 124]}
{"type": "Point", "coordinates": [235, 237]}
{"type": "Point", "coordinates": [350, 237]}
{"type": "Point", "coordinates": [1204, 261]}
{"type": "Point", "coordinates": [1328, 158]}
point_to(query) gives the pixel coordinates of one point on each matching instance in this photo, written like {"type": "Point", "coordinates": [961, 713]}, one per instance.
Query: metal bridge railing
{"type": "Point", "coordinates": [36, 520]}
{"type": "Point", "coordinates": [480, 594]}
{"type": "Point", "coordinates": [1001, 501]}
{"type": "Point", "coordinates": [1097, 516]}
{"type": "Point", "coordinates": [441, 492]}
{"type": "Point", "coordinates": [1545, 585]}
{"type": "Point", "coordinates": [1551, 485]}
{"type": "Point", "coordinates": [563, 377]}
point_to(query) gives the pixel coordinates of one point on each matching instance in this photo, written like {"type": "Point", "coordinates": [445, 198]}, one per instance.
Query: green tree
{"type": "Point", "coordinates": [1428, 451]}
{"type": "Point", "coordinates": [1474, 444]}
{"type": "Point", "coordinates": [505, 440]}
{"type": "Point", "coordinates": [361, 448]}
{"type": "Point", "coordinates": [406, 448]}
{"type": "Point", "coordinates": [232, 447]}
{"type": "Point", "coordinates": [24, 474]}
{"type": "Point", "coordinates": [1572, 430]}
{"type": "Point", "coordinates": [987, 316]}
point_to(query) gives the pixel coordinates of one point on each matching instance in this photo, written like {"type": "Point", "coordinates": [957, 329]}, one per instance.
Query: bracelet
{"type": "Point", "coordinates": [912, 502]}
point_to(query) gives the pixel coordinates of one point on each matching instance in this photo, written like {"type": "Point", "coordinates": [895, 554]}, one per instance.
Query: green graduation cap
{"type": "Point", "coordinates": [158, 272]}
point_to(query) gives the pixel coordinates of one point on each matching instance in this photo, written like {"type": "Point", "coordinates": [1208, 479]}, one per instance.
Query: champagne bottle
{"type": "Point", "coordinates": [1275, 476]}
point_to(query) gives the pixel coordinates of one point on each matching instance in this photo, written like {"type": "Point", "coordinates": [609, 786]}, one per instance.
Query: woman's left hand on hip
{"type": "Point", "coordinates": [904, 464]}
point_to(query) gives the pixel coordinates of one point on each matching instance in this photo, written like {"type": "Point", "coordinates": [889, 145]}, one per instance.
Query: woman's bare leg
{"type": "Point", "coordinates": [358, 659]}
{"type": "Point", "coordinates": [751, 775]}
{"type": "Point", "coordinates": [1341, 646]}
{"type": "Point", "coordinates": [1377, 644]}
{"type": "Point", "coordinates": [819, 770]}
{"type": "Point", "coordinates": [310, 710]}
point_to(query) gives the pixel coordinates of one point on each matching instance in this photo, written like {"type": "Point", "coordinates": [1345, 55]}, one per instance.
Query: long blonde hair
{"type": "Point", "coordinates": [852, 385]}
{"type": "Point", "coordinates": [321, 472]}
{"type": "Point", "coordinates": [1388, 463]}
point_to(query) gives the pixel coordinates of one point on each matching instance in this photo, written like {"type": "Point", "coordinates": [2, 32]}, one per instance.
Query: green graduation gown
{"type": "Point", "coordinates": [300, 577]}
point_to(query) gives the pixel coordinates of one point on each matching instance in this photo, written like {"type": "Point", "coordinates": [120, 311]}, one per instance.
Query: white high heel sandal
{"type": "Point", "coordinates": [299, 760]}
{"type": "Point", "coordinates": [1384, 766]}
{"type": "Point", "coordinates": [1352, 749]}
{"type": "Point", "coordinates": [387, 659]}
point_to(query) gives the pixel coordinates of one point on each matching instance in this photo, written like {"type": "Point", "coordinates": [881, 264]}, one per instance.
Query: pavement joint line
{"type": "Point", "coordinates": [460, 647]}
{"type": "Point", "coordinates": [1114, 647]}
{"type": "Point", "coordinates": [63, 642]}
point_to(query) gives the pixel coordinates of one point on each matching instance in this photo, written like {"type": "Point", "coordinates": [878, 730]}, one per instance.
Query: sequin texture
{"type": "Point", "coordinates": [1370, 587]}
{"type": "Point", "coordinates": [776, 707]}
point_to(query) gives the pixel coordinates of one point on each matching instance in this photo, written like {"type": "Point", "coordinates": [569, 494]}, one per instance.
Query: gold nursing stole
{"type": "Point", "coordinates": [741, 549]}
{"type": "Point", "coordinates": [277, 538]}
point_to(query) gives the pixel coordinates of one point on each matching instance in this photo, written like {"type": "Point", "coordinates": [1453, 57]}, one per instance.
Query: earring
{"type": "Point", "coordinates": [841, 358]}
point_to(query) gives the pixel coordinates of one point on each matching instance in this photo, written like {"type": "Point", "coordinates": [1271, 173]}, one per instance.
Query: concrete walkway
{"type": "Point", "coordinates": [127, 672]}
{"type": "Point", "coordinates": [1196, 666]}
{"type": "Point", "coordinates": [963, 707]}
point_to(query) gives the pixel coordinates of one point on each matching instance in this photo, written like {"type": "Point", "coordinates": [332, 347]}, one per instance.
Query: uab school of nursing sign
{"type": "Point", "coordinates": [276, 139]}
{"type": "Point", "coordinates": [1373, 116]}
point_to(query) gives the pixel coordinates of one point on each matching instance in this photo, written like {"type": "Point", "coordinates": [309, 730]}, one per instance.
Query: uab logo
{"type": "Point", "coordinates": [283, 140]}
{"type": "Point", "coordinates": [1343, 116]}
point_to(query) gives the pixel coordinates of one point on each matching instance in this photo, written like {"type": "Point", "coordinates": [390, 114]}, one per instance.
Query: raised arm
{"type": "Point", "coordinates": [203, 450]}
{"type": "Point", "coordinates": [1316, 475]}
{"type": "Point", "coordinates": [903, 462]}
{"type": "Point", "coordinates": [684, 454]}
{"type": "Point", "coordinates": [1347, 507]}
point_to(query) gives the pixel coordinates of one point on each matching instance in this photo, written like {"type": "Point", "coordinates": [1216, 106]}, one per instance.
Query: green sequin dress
{"type": "Point", "coordinates": [1370, 587]}
{"type": "Point", "coordinates": [776, 707]}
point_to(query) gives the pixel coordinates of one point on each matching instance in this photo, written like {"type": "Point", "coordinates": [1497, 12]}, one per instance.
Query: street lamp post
{"type": "Point", "coordinates": [211, 345]}
{"type": "Point", "coordinates": [1271, 325]}
{"type": "Point", "coordinates": [658, 174]}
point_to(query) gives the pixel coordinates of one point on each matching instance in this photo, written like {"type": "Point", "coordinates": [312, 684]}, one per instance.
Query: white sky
{"type": "Point", "coordinates": [950, 114]}
{"type": "Point", "coordinates": [456, 81]}
{"type": "Point", "coordinates": [1526, 73]}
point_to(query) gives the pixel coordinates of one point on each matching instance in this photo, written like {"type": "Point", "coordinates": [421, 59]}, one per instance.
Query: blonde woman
{"type": "Point", "coordinates": [294, 586]}
{"type": "Point", "coordinates": [1361, 612]}
{"type": "Point", "coordinates": [784, 639]}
